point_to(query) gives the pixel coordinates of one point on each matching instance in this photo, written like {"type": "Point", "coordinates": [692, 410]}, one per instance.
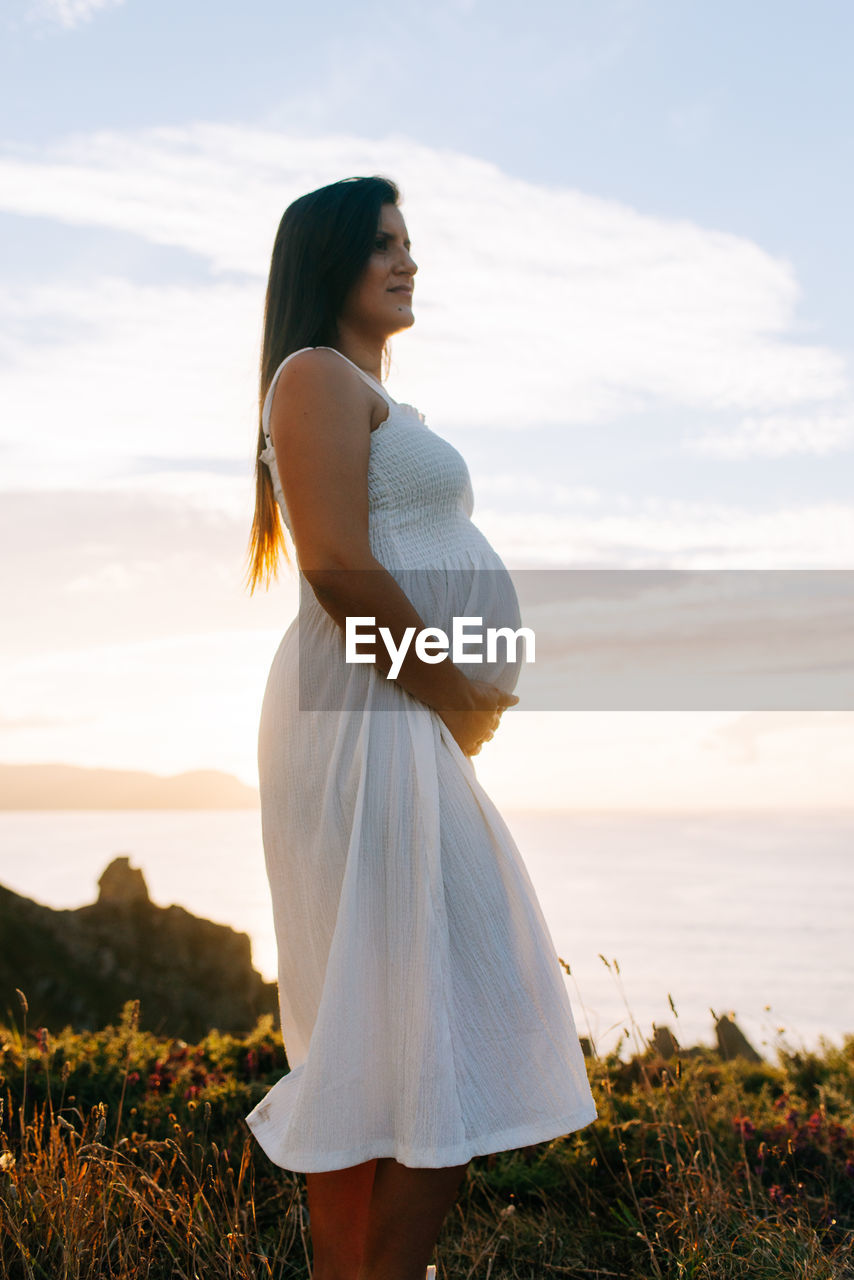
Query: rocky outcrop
{"type": "Point", "coordinates": [122, 883]}
{"type": "Point", "coordinates": [732, 1042]}
{"type": "Point", "coordinates": [79, 967]}
{"type": "Point", "coordinates": [662, 1047]}
{"type": "Point", "coordinates": [665, 1042]}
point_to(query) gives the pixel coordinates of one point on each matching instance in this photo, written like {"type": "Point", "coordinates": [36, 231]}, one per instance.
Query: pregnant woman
{"type": "Point", "coordinates": [424, 1012]}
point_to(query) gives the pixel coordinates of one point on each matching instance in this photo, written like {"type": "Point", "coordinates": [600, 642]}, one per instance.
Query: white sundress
{"type": "Point", "coordinates": [423, 1008]}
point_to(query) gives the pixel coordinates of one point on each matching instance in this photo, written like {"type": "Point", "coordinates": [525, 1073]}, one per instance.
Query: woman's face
{"type": "Point", "coordinates": [380, 302]}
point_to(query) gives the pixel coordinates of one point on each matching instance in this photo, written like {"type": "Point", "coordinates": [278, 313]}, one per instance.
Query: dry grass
{"type": "Point", "coordinates": [123, 1156]}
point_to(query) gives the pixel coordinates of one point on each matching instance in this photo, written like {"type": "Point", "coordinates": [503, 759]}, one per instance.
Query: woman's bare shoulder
{"type": "Point", "coordinates": [320, 366]}
{"type": "Point", "coordinates": [321, 386]}
{"type": "Point", "coordinates": [318, 377]}
{"type": "Point", "coordinates": [320, 404]}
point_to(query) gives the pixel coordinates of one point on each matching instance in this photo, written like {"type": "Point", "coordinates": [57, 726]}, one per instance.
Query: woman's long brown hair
{"type": "Point", "coordinates": [322, 245]}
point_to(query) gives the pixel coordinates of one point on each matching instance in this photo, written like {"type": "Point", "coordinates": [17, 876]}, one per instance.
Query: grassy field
{"type": "Point", "coordinates": [122, 1155]}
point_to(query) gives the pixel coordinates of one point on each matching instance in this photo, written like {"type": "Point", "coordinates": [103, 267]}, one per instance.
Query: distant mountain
{"type": "Point", "coordinates": [77, 968]}
{"type": "Point", "coordinates": [66, 786]}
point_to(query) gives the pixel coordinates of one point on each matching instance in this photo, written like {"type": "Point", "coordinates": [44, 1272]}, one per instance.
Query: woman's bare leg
{"type": "Point", "coordinates": [407, 1209]}
{"type": "Point", "coordinates": [379, 1220]}
{"type": "Point", "coordinates": [338, 1206]}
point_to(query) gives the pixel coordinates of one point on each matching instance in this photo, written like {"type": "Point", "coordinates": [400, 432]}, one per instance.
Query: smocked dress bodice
{"type": "Point", "coordinates": [419, 489]}
{"type": "Point", "coordinates": [420, 505]}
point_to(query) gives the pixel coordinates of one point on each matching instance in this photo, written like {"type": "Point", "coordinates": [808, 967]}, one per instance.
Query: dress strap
{"type": "Point", "coordinates": [368, 377]}
{"type": "Point", "coordinates": [372, 382]}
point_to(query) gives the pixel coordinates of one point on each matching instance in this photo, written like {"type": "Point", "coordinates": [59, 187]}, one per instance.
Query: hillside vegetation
{"type": "Point", "coordinates": [127, 1155]}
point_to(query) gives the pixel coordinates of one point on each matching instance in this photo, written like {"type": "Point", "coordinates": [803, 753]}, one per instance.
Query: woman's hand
{"type": "Point", "coordinates": [476, 724]}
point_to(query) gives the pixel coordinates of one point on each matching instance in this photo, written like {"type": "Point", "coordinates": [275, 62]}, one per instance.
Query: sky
{"type": "Point", "coordinates": [632, 226]}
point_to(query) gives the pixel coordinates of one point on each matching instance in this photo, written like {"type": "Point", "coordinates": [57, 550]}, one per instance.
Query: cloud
{"type": "Point", "coordinates": [829, 733]}
{"type": "Point", "coordinates": [127, 369]}
{"type": "Point", "coordinates": [688, 640]}
{"type": "Point", "coordinates": [128, 636]}
{"type": "Point", "coordinates": [590, 531]}
{"type": "Point", "coordinates": [775, 435]}
{"type": "Point", "coordinates": [115, 567]}
{"type": "Point", "coordinates": [535, 305]}
{"type": "Point", "coordinates": [69, 13]}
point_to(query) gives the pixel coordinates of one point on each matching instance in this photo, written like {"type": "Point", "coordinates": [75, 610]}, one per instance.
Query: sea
{"type": "Point", "coordinates": [664, 919]}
